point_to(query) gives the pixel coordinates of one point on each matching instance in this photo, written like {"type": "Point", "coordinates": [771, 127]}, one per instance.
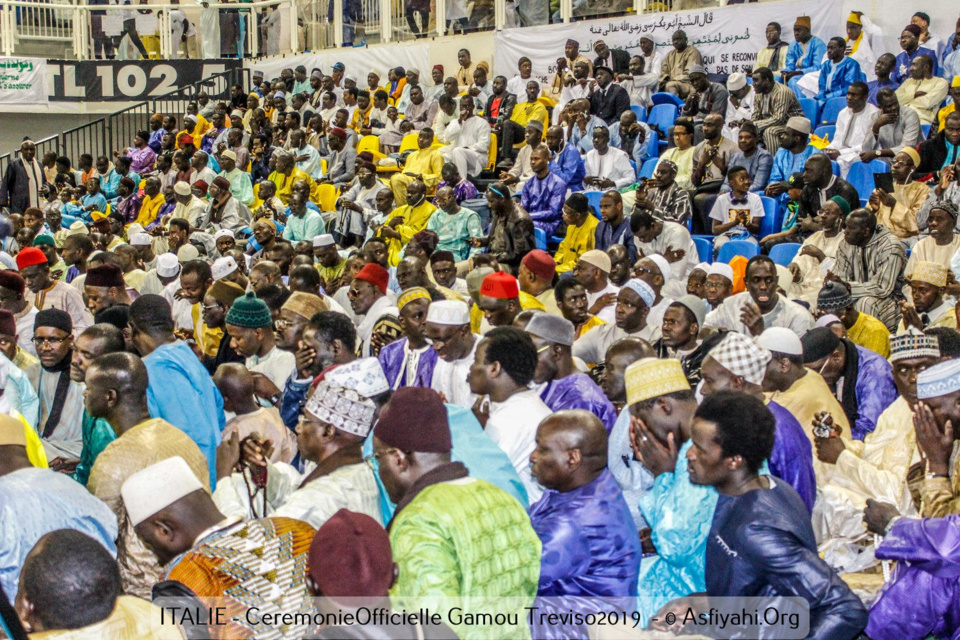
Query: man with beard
{"type": "Point", "coordinates": [760, 306]}
{"type": "Point", "coordinates": [718, 285]}
{"type": "Point", "coordinates": [249, 324]}
{"type": "Point", "coordinates": [448, 329]}
{"type": "Point", "coordinates": [61, 400]}
{"type": "Point", "coordinates": [928, 283]}
{"type": "Point", "coordinates": [357, 207]}
{"type": "Point", "coordinates": [410, 361]}
{"type": "Point", "coordinates": [328, 339]}
{"type": "Point", "coordinates": [22, 180]}
{"type": "Point", "coordinates": [368, 298]}
{"type": "Point", "coordinates": [97, 433]}
{"type": "Point", "coordinates": [632, 307]}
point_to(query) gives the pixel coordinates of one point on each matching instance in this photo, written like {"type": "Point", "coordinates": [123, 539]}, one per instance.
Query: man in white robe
{"type": "Point", "coordinates": [853, 123]}
{"type": "Point", "coordinates": [470, 140]}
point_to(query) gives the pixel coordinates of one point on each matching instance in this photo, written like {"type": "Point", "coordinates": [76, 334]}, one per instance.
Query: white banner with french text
{"type": "Point", "coordinates": [23, 80]}
{"type": "Point", "coordinates": [728, 38]}
{"type": "Point", "coordinates": [358, 61]}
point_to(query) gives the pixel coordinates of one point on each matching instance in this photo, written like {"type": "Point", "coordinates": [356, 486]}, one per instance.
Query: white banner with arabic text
{"type": "Point", "coordinates": [728, 37]}
{"type": "Point", "coordinates": [23, 80]}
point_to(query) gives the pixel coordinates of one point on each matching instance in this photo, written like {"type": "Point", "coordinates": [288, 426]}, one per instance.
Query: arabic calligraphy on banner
{"type": "Point", "coordinates": [23, 80]}
{"type": "Point", "coordinates": [728, 37]}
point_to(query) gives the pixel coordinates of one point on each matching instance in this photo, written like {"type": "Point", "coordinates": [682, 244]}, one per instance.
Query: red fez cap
{"type": "Point", "coordinates": [202, 186]}
{"type": "Point", "coordinates": [106, 275]}
{"type": "Point", "coordinates": [418, 406]}
{"type": "Point", "coordinates": [29, 257]}
{"type": "Point", "coordinates": [375, 275]}
{"type": "Point", "coordinates": [438, 66]}
{"type": "Point", "coordinates": [185, 138]}
{"type": "Point", "coordinates": [339, 133]}
{"type": "Point", "coordinates": [13, 281]}
{"type": "Point", "coordinates": [350, 557]}
{"type": "Point", "coordinates": [540, 264]}
{"type": "Point", "coordinates": [8, 324]}
{"type": "Point", "coordinates": [500, 285]}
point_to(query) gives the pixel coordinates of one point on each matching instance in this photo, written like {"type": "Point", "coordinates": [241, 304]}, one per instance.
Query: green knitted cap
{"type": "Point", "coordinates": [250, 312]}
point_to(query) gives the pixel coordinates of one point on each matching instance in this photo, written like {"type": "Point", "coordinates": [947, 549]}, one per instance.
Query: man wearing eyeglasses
{"type": "Point", "coordinates": [61, 399]}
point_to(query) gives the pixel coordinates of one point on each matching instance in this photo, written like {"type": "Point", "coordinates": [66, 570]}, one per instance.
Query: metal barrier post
{"type": "Point", "coordinates": [386, 21]}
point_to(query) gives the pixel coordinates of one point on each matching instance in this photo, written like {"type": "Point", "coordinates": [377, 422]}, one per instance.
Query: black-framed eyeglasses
{"type": "Point", "coordinates": [53, 342]}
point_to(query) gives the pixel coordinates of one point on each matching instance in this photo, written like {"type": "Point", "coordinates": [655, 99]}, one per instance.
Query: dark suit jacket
{"type": "Point", "coordinates": [619, 61]}
{"type": "Point", "coordinates": [507, 103]}
{"type": "Point", "coordinates": [15, 187]}
{"type": "Point", "coordinates": [610, 105]}
{"type": "Point", "coordinates": [810, 201]}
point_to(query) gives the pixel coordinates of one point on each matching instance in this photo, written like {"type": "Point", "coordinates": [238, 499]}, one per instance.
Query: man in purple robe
{"type": "Point", "coordinates": [409, 361]}
{"type": "Point", "coordinates": [739, 364]}
{"type": "Point", "coordinates": [923, 599]}
{"type": "Point", "coordinates": [566, 387]}
{"type": "Point", "coordinates": [590, 547]}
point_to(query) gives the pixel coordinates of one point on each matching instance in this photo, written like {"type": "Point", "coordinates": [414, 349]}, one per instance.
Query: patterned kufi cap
{"type": "Point", "coordinates": [651, 378]}
{"type": "Point", "coordinates": [344, 408]}
{"type": "Point", "coordinates": [411, 294]}
{"type": "Point", "coordinates": [741, 356]}
{"type": "Point", "coordinates": [930, 272]}
{"type": "Point", "coordinates": [364, 375]}
{"type": "Point", "coordinates": [939, 380]}
{"type": "Point", "coordinates": [913, 344]}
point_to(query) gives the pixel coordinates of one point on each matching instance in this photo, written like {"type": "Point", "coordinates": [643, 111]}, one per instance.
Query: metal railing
{"type": "Point", "coordinates": [115, 132]}
{"type": "Point", "coordinates": [269, 27]}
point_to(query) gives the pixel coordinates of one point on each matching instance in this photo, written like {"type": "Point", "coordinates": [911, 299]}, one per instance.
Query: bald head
{"type": "Point", "coordinates": [630, 348]}
{"type": "Point", "coordinates": [234, 381]}
{"type": "Point", "coordinates": [571, 450]}
{"type": "Point", "coordinates": [122, 372]}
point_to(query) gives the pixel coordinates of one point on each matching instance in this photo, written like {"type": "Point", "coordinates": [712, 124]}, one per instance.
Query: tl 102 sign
{"type": "Point", "coordinates": [113, 81]}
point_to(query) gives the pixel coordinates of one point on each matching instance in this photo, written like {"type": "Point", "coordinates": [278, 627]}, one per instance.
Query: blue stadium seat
{"type": "Point", "coordinates": [593, 199]}
{"type": "Point", "coordinates": [646, 171]}
{"type": "Point", "coordinates": [832, 109]}
{"type": "Point", "coordinates": [541, 238]}
{"type": "Point", "coordinates": [640, 111]}
{"type": "Point", "coordinates": [664, 97]}
{"type": "Point", "coordinates": [826, 130]}
{"type": "Point", "coordinates": [810, 109]}
{"type": "Point", "coordinates": [861, 176]}
{"type": "Point", "coordinates": [662, 115]}
{"type": "Point", "coordinates": [771, 220]}
{"type": "Point", "coordinates": [633, 163]}
{"type": "Point", "coordinates": [926, 130]}
{"type": "Point", "coordinates": [836, 168]}
{"type": "Point", "coordinates": [653, 150]}
{"type": "Point", "coordinates": [704, 249]}
{"type": "Point", "coordinates": [783, 254]}
{"type": "Point", "coordinates": [737, 248]}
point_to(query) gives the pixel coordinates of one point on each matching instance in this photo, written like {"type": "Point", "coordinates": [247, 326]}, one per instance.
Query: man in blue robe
{"type": "Point", "coordinates": [804, 55]}
{"type": "Point", "coordinates": [566, 161]}
{"type": "Point", "coordinates": [566, 388]}
{"type": "Point", "coordinates": [838, 72]}
{"type": "Point", "coordinates": [679, 513]}
{"type": "Point", "coordinates": [737, 363]}
{"type": "Point", "coordinates": [761, 543]}
{"type": "Point", "coordinates": [409, 361]}
{"type": "Point", "coordinates": [590, 548]}
{"type": "Point", "coordinates": [181, 390]}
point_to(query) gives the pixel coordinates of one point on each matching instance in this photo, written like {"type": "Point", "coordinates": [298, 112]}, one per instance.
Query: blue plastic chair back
{"type": "Point", "coordinates": [809, 107]}
{"type": "Point", "coordinates": [836, 168]}
{"type": "Point", "coordinates": [593, 199]}
{"type": "Point", "coordinates": [541, 238]}
{"type": "Point", "coordinates": [832, 109]}
{"type": "Point", "coordinates": [861, 176]}
{"type": "Point", "coordinates": [737, 248]}
{"type": "Point", "coordinates": [783, 254]}
{"type": "Point", "coordinates": [653, 150]}
{"type": "Point", "coordinates": [663, 115]}
{"type": "Point", "coordinates": [826, 131]}
{"type": "Point", "coordinates": [926, 130]}
{"type": "Point", "coordinates": [646, 171]}
{"type": "Point", "coordinates": [704, 249]}
{"type": "Point", "coordinates": [665, 97]}
{"type": "Point", "coordinates": [771, 220]}
{"type": "Point", "coordinates": [640, 111]}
